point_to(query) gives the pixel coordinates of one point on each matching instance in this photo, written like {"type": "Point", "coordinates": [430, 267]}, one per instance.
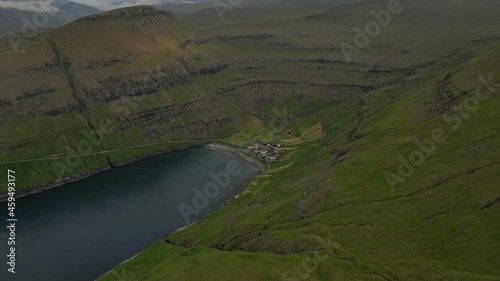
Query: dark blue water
{"type": "Point", "coordinates": [81, 230]}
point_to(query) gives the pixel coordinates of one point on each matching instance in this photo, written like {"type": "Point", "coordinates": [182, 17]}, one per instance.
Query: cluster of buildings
{"type": "Point", "coordinates": [267, 151]}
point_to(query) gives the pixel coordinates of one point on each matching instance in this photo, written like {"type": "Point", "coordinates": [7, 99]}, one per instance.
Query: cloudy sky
{"type": "Point", "coordinates": [44, 5]}
{"type": "Point", "coordinates": [50, 5]}
{"type": "Point", "coordinates": [113, 4]}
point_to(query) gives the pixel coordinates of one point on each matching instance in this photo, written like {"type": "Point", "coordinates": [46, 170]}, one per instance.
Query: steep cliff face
{"type": "Point", "coordinates": [141, 75]}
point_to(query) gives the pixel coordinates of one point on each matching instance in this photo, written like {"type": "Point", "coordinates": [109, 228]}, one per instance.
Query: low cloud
{"type": "Point", "coordinates": [51, 5]}
{"type": "Point", "coordinates": [115, 4]}
{"type": "Point", "coordinates": [33, 6]}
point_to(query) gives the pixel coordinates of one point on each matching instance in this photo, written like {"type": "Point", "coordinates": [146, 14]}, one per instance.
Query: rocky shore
{"type": "Point", "coordinates": [238, 152]}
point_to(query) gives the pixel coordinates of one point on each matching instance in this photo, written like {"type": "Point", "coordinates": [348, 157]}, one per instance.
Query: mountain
{"type": "Point", "coordinates": [13, 20]}
{"type": "Point", "coordinates": [74, 10]}
{"type": "Point", "coordinates": [391, 143]}
{"type": "Point", "coordinates": [217, 12]}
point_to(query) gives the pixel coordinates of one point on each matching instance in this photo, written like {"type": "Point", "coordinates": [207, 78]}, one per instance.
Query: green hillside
{"type": "Point", "coordinates": [392, 161]}
{"type": "Point", "coordinates": [328, 213]}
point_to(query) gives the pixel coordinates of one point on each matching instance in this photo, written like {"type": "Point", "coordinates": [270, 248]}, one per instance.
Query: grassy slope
{"type": "Point", "coordinates": [440, 224]}
{"type": "Point", "coordinates": [428, 228]}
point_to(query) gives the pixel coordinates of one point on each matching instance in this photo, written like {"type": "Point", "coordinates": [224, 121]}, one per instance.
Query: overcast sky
{"type": "Point", "coordinates": [39, 5]}
{"type": "Point", "coordinates": [113, 4]}
{"type": "Point", "coordinates": [49, 5]}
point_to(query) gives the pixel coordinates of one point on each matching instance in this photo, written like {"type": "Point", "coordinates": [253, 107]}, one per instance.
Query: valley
{"type": "Point", "coordinates": [391, 156]}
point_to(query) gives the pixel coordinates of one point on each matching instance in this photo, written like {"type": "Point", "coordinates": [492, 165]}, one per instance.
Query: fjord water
{"type": "Point", "coordinates": [81, 230]}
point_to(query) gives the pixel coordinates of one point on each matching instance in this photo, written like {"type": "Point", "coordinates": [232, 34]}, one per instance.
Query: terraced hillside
{"type": "Point", "coordinates": [138, 76]}
{"type": "Point", "coordinates": [391, 170]}
{"type": "Point", "coordinates": [343, 205]}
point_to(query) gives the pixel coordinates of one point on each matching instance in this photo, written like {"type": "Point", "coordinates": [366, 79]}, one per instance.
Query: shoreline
{"type": "Point", "coordinates": [235, 151]}
{"type": "Point", "coordinates": [77, 177]}
{"type": "Point", "coordinates": [124, 261]}
{"type": "Point", "coordinates": [60, 182]}
{"type": "Point", "coordinates": [262, 166]}
{"type": "Point", "coordinates": [257, 163]}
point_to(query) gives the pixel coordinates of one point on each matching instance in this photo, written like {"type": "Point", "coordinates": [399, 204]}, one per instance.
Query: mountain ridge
{"type": "Point", "coordinates": [15, 20]}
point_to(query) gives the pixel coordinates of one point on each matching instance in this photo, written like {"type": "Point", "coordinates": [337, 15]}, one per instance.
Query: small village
{"type": "Point", "coordinates": [267, 151]}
